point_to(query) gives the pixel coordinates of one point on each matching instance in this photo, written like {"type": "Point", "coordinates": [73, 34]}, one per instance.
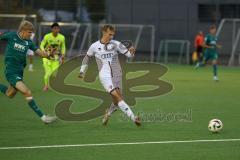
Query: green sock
{"type": "Point", "coordinates": [3, 88]}
{"type": "Point", "coordinates": [35, 108]}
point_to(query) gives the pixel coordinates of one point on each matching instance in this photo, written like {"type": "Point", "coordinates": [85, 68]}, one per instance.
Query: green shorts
{"type": "Point", "coordinates": [210, 56]}
{"type": "Point", "coordinates": [13, 78]}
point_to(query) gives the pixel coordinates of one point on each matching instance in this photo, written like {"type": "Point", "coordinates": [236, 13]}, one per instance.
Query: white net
{"type": "Point", "coordinates": [10, 22]}
{"type": "Point", "coordinates": [174, 51]}
{"type": "Point", "coordinates": [79, 37]}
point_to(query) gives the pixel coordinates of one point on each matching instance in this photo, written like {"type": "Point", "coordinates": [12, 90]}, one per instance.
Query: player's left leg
{"type": "Point", "coordinates": [54, 67]}
{"type": "Point", "coordinates": [215, 76]}
{"type": "Point", "coordinates": [214, 58]}
{"type": "Point", "coordinates": [117, 96]}
{"type": "Point", "coordinates": [20, 86]}
{"type": "Point", "coordinates": [50, 67]}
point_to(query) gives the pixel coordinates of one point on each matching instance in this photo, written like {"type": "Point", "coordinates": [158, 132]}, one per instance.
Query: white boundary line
{"type": "Point", "coordinates": [118, 144]}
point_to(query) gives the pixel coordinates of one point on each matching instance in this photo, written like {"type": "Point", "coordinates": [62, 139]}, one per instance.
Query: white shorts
{"type": "Point", "coordinates": [111, 83]}
{"type": "Point", "coordinates": [30, 52]}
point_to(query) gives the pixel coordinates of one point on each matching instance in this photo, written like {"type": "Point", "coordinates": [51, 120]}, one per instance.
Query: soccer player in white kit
{"type": "Point", "coordinates": [106, 53]}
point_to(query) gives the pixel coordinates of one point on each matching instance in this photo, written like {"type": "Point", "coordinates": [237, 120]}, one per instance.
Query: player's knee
{"type": "Point", "coordinates": [116, 98]}
{"type": "Point", "coordinates": [10, 94]}
{"type": "Point", "coordinates": [28, 93]}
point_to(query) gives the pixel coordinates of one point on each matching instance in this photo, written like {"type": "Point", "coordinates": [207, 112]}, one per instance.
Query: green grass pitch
{"type": "Point", "coordinates": [194, 91]}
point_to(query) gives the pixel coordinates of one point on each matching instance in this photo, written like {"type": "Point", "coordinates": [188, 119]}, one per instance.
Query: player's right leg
{"type": "Point", "coordinates": [117, 82]}
{"type": "Point", "coordinates": [8, 91]}
{"type": "Point", "coordinates": [21, 87]}
{"type": "Point", "coordinates": [109, 111]}
{"type": "Point", "coordinates": [11, 92]}
{"type": "Point", "coordinates": [3, 88]}
{"type": "Point", "coordinates": [47, 69]}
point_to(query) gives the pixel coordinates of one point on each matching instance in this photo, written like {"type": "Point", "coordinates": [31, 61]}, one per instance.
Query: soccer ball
{"type": "Point", "coordinates": [215, 125]}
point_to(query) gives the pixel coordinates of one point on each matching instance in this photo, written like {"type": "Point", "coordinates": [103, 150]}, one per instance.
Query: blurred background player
{"type": "Point", "coordinates": [15, 62]}
{"type": "Point", "coordinates": [198, 42]}
{"type": "Point", "coordinates": [106, 52]}
{"type": "Point", "coordinates": [53, 41]}
{"type": "Point", "coordinates": [30, 54]}
{"type": "Point", "coordinates": [210, 50]}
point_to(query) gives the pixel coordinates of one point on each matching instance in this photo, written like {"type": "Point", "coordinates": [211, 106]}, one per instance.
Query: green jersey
{"type": "Point", "coordinates": [211, 40]}
{"type": "Point", "coordinates": [15, 53]}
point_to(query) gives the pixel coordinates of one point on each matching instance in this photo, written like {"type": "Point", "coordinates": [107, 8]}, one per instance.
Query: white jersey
{"type": "Point", "coordinates": [107, 57]}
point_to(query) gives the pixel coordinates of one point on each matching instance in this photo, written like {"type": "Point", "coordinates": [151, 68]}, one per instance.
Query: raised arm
{"type": "Point", "coordinates": [126, 49]}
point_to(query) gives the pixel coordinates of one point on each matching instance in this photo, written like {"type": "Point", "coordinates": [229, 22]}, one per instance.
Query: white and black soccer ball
{"type": "Point", "coordinates": [215, 125]}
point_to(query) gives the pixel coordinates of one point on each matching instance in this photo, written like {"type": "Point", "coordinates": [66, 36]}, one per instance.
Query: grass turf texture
{"type": "Point", "coordinates": [193, 90]}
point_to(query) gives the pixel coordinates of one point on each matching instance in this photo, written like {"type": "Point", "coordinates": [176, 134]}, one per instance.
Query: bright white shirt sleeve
{"type": "Point", "coordinates": [90, 53]}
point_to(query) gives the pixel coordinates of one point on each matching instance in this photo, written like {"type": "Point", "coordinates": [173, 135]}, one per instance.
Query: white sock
{"type": "Point", "coordinates": [30, 66]}
{"type": "Point", "coordinates": [125, 108]}
{"type": "Point", "coordinates": [111, 109]}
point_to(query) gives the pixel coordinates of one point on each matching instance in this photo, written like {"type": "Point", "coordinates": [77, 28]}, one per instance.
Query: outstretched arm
{"type": "Point", "coordinates": [84, 66]}
{"type": "Point", "coordinates": [43, 54]}
{"type": "Point", "coordinates": [131, 51]}
{"type": "Point", "coordinates": [204, 45]}
{"type": "Point", "coordinates": [126, 48]}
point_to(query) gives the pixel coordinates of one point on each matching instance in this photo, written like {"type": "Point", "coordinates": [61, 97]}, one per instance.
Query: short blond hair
{"type": "Point", "coordinates": [25, 25]}
{"type": "Point", "coordinates": [107, 27]}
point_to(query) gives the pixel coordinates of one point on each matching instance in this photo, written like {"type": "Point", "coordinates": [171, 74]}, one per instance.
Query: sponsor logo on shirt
{"type": "Point", "coordinates": [19, 47]}
{"type": "Point", "coordinates": [108, 55]}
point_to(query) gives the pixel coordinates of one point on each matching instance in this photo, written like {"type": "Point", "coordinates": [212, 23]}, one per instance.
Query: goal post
{"type": "Point", "coordinates": [228, 34]}
{"type": "Point", "coordinates": [10, 22]}
{"type": "Point", "coordinates": [79, 36]}
{"type": "Point", "coordinates": [174, 51]}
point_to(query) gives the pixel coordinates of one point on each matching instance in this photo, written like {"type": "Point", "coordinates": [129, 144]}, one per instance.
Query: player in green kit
{"type": "Point", "coordinates": [53, 41]}
{"type": "Point", "coordinates": [18, 44]}
{"type": "Point", "coordinates": [210, 50]}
